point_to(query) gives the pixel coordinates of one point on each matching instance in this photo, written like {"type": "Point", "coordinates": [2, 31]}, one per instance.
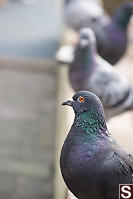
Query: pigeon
{"type": "Point", "coordinates": [111, 33]}
{"type": "Point", "coordinates": [84, 13]}
{"type": "Point", "coordinates": [112, 38]}
{"type": "Point", "coordinates": [88, 71]}
{"type": "Point", "coordinates": [92, 163]}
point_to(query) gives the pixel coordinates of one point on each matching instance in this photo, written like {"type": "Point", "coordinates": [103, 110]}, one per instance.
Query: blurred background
{"type": "Point", "coordinates": [32, 86]}
{"type": "Point", "coordinates": [29, 37]}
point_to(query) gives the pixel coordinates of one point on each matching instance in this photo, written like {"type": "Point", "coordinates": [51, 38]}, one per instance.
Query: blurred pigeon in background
{"type": "Point", "coordinates": [84, 13]}
{"type": "Point", "coordinates": [92, 163]}
{"type": "Point", "coordinates": [112, 38]}
{"type": "Point", "coordinates": [111, 34]}
{"type": "Point", "coordinates": [90, 72]}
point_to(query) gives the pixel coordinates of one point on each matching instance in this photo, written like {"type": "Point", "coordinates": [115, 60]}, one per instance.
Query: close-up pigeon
{"type": "Point", "coordinates": [92, 163]}
{"type": "Point", "coordinates": [89, 72]}
{"type": "Point", "coordinates": [111, 33]}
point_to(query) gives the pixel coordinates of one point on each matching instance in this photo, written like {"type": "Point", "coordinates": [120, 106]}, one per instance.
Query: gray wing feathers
{"type": "Point", "coordinates": [111, 87]}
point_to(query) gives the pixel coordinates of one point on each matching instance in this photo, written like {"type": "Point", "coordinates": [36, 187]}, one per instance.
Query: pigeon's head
{"type": "Point", "coordinates": [128, 8]}
{"type": "Point", "coordinates": [86, 38]}
{"type": "Point", "coordinates": [124, 12]}
{"type": "Point", "coordinates": [83, 101]}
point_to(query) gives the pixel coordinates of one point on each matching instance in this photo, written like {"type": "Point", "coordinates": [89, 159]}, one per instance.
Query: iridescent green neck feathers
{"type": "Point", "coordinates": [91, 123]}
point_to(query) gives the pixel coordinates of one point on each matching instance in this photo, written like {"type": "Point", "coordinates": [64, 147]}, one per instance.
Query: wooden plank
{"type": "Point", "coordinates": [31, 65]}
{"type": "Point", "coordinates": [27, 122]}
{"type": "Point", "coordinates": [61, 130]}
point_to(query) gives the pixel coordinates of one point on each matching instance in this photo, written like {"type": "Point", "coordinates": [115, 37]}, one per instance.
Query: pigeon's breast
{"type": "Point", "coordinates": [81, 172]}
{"type": "Point", "coordinates": [79, 78]}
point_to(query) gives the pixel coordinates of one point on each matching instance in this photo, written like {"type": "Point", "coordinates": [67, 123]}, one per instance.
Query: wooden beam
{"type": "Point", "coordinates": [61, 130]}
{"type": "Point", "coordinates": [31, 65]}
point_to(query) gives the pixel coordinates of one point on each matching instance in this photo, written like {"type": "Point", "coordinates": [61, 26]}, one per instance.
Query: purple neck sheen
{"type": "Point", "coordinates": [115, 32]}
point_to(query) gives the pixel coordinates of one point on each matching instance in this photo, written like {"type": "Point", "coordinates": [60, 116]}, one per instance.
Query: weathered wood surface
{"type": "Point", "coordinates": [61, 131]}
{"type": "Point", "coordinates": [27, 130]}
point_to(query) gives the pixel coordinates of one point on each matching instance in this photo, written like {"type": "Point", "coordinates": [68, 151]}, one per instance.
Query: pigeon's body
{"type": "Point", "coordinates": [112, 38]}
{"type": "Point", "coordinates": [90, 72]}
{"type": "Point", "coordinates": [111, 42]}
{"type": "Point", "coordinates": [111, 34]}
{"type": "Point", "coordinates": [92, 164]}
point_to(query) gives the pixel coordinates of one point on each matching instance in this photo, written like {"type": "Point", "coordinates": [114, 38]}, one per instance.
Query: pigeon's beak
{"type": "Point", "coordinates": [68, 102]}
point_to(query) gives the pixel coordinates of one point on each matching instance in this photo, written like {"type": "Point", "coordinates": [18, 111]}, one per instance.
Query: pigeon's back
{"type": "Point", "coordinates": [112, 88]}
{"type": "Point", "coordinates": [111, 42]}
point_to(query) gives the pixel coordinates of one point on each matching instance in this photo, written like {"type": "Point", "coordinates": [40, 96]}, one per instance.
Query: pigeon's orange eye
{"type": "Point", "coordinates": [81, 99]}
